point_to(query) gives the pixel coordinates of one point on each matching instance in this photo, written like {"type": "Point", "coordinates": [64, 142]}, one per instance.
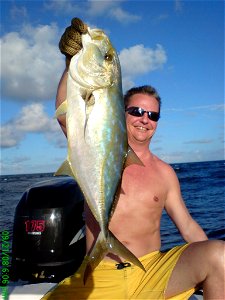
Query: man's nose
{"type": "Point", "coordinates": [145, 117]}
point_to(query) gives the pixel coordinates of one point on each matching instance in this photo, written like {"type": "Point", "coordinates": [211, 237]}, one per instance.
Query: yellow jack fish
{"type": "Point", "coordinates": [97, 138]}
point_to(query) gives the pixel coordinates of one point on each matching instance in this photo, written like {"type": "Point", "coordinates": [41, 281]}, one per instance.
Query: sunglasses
{"type": "Point", "coordinates": [139, 112]}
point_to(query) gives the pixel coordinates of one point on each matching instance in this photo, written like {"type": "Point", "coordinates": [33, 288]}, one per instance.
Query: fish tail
{"type": "Point", "coordinates": [104, 246]}
{"type": "Point", "coordinates": [115, 246]}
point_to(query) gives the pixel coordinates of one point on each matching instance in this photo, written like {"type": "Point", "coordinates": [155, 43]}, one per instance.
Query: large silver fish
{"type": "Point", "coordinates": [97, 139]}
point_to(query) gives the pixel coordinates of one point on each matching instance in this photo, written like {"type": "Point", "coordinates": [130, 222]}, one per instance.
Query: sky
{"type": "Point", "coordinates": [175, 46]}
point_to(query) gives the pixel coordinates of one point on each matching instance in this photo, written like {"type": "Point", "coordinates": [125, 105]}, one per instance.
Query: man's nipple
{"type": "Point", "coordinates": [156, 199]}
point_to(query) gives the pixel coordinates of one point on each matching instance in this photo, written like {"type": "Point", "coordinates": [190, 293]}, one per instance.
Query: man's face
{"type": "Point", "coordinates": [141, 129]}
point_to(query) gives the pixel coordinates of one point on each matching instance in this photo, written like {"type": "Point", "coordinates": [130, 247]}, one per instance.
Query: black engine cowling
{"type": "Point", "coordinates": [48, 233]}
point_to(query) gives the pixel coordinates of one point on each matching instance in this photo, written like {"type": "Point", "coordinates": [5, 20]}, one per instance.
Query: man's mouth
{"type": "Point", "coordinates": [141, 128]}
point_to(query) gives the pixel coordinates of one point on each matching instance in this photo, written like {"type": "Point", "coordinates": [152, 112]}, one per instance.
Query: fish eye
{"type": "Point", "coordinates": [108, 57]}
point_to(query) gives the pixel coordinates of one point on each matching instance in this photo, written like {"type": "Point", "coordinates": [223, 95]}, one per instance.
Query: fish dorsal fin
{"type": "Point", "coordinates": [62, 109]}
{"type": "Point", "coordinates": [64, 169]}
{"type": "Point", "coordinates": [132, 158]}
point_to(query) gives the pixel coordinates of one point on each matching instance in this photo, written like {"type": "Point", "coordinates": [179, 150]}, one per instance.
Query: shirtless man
{"type": "Point", "coordinates": [136, 223]}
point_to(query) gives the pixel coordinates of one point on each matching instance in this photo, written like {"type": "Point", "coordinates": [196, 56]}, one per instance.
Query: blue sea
{"type": "Point", "coordinates": [202, 186]}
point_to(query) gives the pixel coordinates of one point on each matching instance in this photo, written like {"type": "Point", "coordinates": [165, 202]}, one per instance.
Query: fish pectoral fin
{"type": "Point", "coordinates": [116, 247]}
{"type": "Point", "coordinates": [61, 110]}
{"type": "Point", "coordinates": [132, 158]}
{"type": "Point", "coordinates": [64, 169]}
{"type": "Point", "coordinates": [96, 255]}
{"type": "Point", "coordinates": [89, 104]}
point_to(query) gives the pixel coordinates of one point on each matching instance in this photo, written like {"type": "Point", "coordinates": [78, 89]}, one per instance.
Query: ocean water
{"type": "Point", "coordinates": [202, 186]}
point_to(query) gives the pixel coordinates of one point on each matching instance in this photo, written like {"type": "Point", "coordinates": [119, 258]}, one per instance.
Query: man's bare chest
{"type": "Point", "coordinates": [142, 187]}
{"type": "Point", "coordinates": [142, 179]}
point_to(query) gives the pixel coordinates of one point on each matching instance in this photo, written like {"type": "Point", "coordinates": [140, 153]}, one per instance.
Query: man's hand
{"type": "Point", "coordinates": [69, 44]}
{"type": "Point", "coordinates": [71, 41]}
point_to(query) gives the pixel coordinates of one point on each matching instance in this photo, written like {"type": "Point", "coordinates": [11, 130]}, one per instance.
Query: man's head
{"type": "Point", "coordinates": [142, 106]}
{"type": "Point", "coordinates": [145, 89]}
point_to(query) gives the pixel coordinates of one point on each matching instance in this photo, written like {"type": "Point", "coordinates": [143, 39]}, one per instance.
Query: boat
{"type": "Point", "coordinates": [48, 238]}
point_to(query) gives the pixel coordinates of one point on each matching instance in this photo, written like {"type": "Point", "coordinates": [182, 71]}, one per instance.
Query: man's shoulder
{"type": "Point", "coordinates": [163, 166]}
{"type": "Point", "coordinates": [161, 162]}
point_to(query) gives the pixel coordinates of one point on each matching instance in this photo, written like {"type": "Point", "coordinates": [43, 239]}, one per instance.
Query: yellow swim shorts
{"type": "Point", "coordinates": [108, 282]}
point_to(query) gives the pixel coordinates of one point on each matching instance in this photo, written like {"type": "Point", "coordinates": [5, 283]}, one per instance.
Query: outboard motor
{"type": "Point", "coordinates": [48, 234]}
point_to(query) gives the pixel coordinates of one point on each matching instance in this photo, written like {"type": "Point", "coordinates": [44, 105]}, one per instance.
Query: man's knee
{"type": "Point", "coordinates": [216, 254]}
{"type": "Point", "coordinates": [199, 262]}
{"type": "Point", "coordinates": [204, 258]}
{"type": "Point", "coordinates": [213, 285]}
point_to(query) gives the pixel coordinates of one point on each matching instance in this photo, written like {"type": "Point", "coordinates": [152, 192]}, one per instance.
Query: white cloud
{"type": "Point", "coordinates": [12, 166]}
{"type": "Point", "coordinates": [123, 16]}
{"type": "Point", "coordinates": [97, 8]}
{"type": "Point", "coordinates": [112, 9]}
{"type": "Point", "coordinates": [32, 119]}
{"type": "Point", "coordinates": [10, 137]}
{"type": "Point", "coordinates": [211, 107]}
{"type": "Point", "coordinates": [31, 63]}
{"type": "Point", "coordinates": [139, 60]}
{"type": "Point", "coordinates": [92, 8]}
{"type": "Point", "coordinates": [163, 17]}
{"type": "Point", "coordinates": [63, 7]}
{"type": "Point", "coordinates": [200, 141]}
{"type": "Point", "coordinates": [18, 12]}
{"type": "Point", "coordinates": [193, 156]}
{"type": "Point", "coordinates": [178, 6]}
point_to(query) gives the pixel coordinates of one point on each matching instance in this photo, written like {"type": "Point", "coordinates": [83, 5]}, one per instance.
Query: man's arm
{"type": "Point", "coordinates": [69, 44]}
{"type": "Point", "coordinates": [178, 212]}
{"type": "Point", "coordinates": [60, 97]}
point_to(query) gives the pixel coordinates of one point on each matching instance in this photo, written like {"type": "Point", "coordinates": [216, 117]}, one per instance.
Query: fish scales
{"type": "Point", "coordinates": [97, 138]}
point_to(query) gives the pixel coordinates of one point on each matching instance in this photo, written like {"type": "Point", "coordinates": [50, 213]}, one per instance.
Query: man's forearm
{"type": "Point", "coordinates": [194, 233]}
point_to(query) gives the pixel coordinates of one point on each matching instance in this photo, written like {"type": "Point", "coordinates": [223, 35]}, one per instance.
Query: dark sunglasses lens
{"type": "Point", "coordinates": [136, 111]}
{"type": "Point", "coordinates": [154, 116]}
{"type": "Point", "coordinates": [139, 112]}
